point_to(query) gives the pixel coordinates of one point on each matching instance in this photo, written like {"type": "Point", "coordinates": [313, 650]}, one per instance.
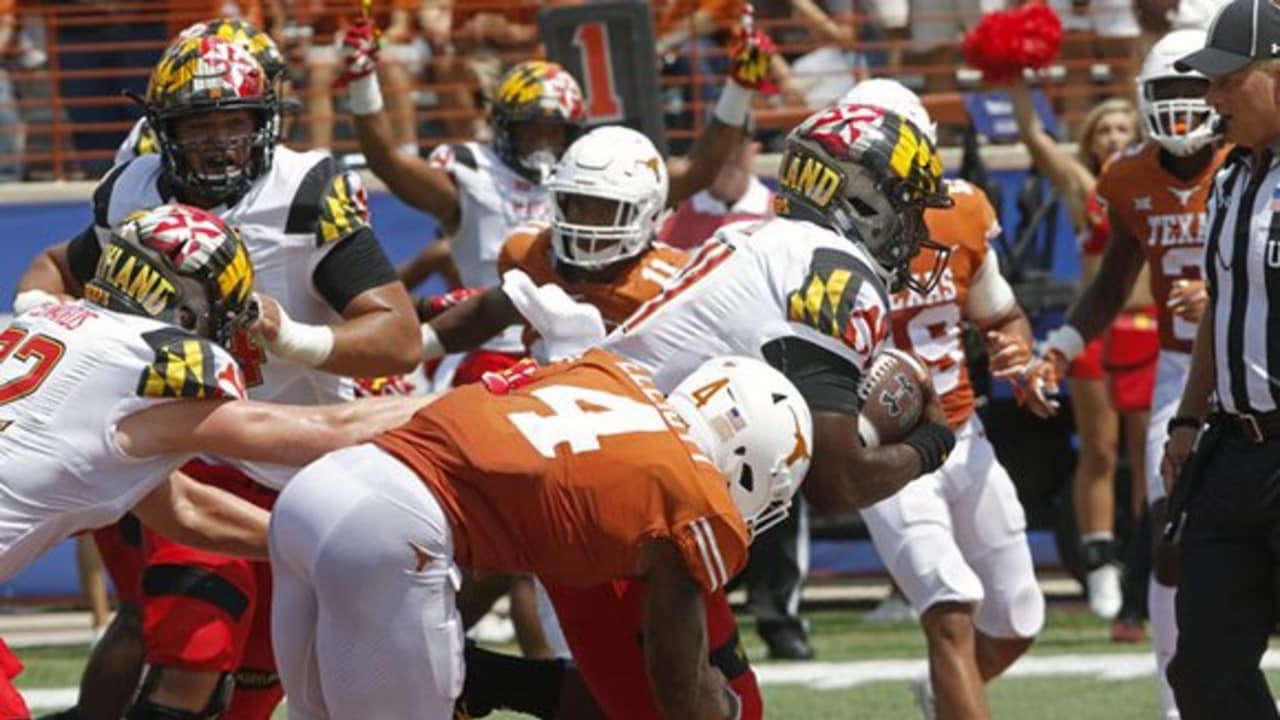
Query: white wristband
{"type": "Point", "coordinates": [432, 348]}
{"type": "Point", "coordinates": [305, 344]}
{"type": "Point", "coordinates": [365, 95]}
{"type": "Point", "coordinates": [1066, 340]}
{"type": "Point", "coordinates": [733, 105]}
{"type": "Point", "coordinates": [28, 300]}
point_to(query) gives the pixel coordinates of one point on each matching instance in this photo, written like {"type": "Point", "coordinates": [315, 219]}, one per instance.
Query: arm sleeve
{"type": "Point", "coordinates": [82, 254]}
{"type": "Point", "coordinates": [825, 380]}
{"type": "Point", "coordinates": [355, 265]}
{"type": "Point", "coordinates": [989, 294]}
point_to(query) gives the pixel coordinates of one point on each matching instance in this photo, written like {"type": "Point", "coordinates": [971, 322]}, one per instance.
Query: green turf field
{"type": "Point", "coordinates": [841, 637]}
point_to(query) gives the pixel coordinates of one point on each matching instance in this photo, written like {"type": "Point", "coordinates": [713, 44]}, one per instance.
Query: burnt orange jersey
{"type": "Point", "coordinates": [617, 297]}
{"type": "Point", "coordinates": [568, 472]}
{"type": "Point", "coordinates": [931, 325]}
{"type": "Point", "coordinates": [1164, 215]}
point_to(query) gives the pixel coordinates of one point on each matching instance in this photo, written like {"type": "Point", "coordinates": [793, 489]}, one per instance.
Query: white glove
{"type": "Point", "coordinates": [567, 327]}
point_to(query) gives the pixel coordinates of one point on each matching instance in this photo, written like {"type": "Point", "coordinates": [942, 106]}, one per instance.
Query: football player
{"type": "Point", "coordinates": [115, 662]}
{"type": "Point", "coordinates": [955, 540]}
{"type": "Point", "coordinates": [141, 139]}
{"type": "Point", "coordinates": [580, 472]}
{"type": "Point", "coordinates": [606, 192]}
{"type": "Point", "coordinates": [807, 291]}
{"type": "Point", "coordinates": [482, 193]}
{"type": "Point", "coordinates": [105, 397]}
{"type": "Point", "coordinates": [1157, 196]}
{"type": "Point", "coordinates": [334, 309]}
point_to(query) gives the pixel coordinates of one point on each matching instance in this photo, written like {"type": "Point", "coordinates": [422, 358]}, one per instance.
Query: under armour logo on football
{"type": "Point", "coordinates": [1183, 195]}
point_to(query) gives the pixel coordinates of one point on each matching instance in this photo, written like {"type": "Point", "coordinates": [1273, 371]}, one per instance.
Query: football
{"type": "Point", "coordinates": [892, 397]}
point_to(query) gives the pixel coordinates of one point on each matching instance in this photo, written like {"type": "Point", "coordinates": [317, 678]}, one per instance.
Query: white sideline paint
{"type": "Point", "coordinates": [842, 675]}
{"type": "Point", "coordinates": [839, 676]}
{"type": "Point", "coordinates": [831, 676]}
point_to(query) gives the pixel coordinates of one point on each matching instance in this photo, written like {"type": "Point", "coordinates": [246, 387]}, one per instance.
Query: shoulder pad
{"type": "Point", "coordinates": [522, 244]}
{"type": "Point", "coordinates": [1133, 150]}
{"type": "Point", "coordinates": [188, 366]}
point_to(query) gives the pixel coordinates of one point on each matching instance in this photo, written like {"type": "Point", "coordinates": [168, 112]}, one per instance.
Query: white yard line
{"type": "Point", "coordinates": [1102, 666]}
{"type": "Point", "coordinates": [841, 675]}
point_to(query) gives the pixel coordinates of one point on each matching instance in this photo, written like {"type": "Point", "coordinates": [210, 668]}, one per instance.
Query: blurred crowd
{"type": "Point", "coordinates": [67, 66]}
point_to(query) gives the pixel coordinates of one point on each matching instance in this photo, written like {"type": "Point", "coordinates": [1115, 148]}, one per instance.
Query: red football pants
{"type": "Point", "coordinates": [203, 611]}
{"type": "Point", "coordinates": [603, 626]}
{"type": "Point", "coordinates": [120, 547]}
{"type": "Point", "coordinates": [12, 706]}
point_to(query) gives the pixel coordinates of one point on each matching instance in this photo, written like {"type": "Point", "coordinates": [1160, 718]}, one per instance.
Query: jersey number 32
{"type": "Point", "coordinates": [38, 355]}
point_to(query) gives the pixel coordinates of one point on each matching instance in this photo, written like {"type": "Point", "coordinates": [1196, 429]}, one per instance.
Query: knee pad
{"type": "Point", "coordinates": [930, 569]}
{"type": "Point", "coordinates": [1012, 611]}
{"type": "Point", "coordinates": [144, 709]}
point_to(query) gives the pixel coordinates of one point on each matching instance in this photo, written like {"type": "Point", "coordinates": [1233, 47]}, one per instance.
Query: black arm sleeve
{"type": "Point", "coordinates": [82, 255]}
{"type": "Point", "coordinates": [356, 264]}
{"type": "Point", "coordinates": [825, 380]}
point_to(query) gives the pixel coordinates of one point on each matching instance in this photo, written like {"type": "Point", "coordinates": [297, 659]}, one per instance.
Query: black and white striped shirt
{"type": "Point", "coordinates": [1242, 267]}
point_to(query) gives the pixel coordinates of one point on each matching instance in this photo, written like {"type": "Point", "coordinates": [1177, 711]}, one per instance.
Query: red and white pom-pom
{"type": "Point", "coordinates": [1005, 43]}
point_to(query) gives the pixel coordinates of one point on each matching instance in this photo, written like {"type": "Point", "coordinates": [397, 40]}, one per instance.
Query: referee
{"type": "Point", "coordinates": [1228, 496]}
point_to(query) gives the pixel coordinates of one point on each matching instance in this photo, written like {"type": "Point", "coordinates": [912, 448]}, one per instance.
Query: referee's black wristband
{"type": "Point", "coordinates": [933, 441]}
{"type": "Point", "coordinates": [1184, 421]}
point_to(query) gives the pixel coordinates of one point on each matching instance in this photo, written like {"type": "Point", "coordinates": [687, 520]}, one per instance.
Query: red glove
{"type": "Point", "coordinates": [429, 307]}
{"type": "Point", "coordinates": [750, 56]}
{"type": "Point", "coordinates": [504, 381]}
{"type": "Point", "coordinates": [359, 52]}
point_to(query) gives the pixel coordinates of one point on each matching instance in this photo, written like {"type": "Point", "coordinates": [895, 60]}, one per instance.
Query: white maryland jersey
{"type": "Point", "coordinates": [494, 201]}
{"type": "Point", "coordinates": [754, 282]}
{"type": "Point", "coordinates": [68, 374]}
{"type": "Point", "coordinates": [290, 219]}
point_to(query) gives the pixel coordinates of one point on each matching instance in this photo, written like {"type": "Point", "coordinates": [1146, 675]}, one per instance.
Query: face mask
{"type": "Point", "coordinates": [541, 162]}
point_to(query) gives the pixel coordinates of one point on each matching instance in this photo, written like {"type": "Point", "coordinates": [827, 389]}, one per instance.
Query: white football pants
{"type": "Point", "coordinates": [1171, 375]}
{"type": "Point", "coordinates": [363, 617]}
{"type": "Point", "coordinates": [959, 535]}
